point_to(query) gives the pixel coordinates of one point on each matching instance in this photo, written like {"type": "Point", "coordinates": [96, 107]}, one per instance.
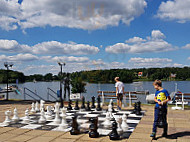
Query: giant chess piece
{"type": "Point", "coordinates": [63, 124]}
{"type": "Point", "coordinates": [93, 128]}
{"type": "Point", "coordinates": [93, 103]}
{"type": "Point", "coordinates": [49, 113]}
{"type": "Point", "coordinates": [161, 123]}
{"type": "Point", "coordinates": [124, 124]}
{"type": "Point", "coordinates": [57, 119]}
{"type": "Point", "coordinates": [110, 106]}
{"type": "Point", "coordinates": [119, 129]}
{"type": "Point", "coordinates": [88, 106]}
{"type": "Point", "coordinates": [113, 134]}
{"type": "Point", "coordinates": [15, 117]}
{"type": "Point", "coordinates": [99, 105]}
{"type": "Point", "coordinates": [57, 107]}
{"type": "Point", "coordinates": [83, 103]}
{"type": "Point", "coordinates": [33, 108]}
{"type": "Point", "coordinates": [69, 105]}
{"type": "Point", "coordinates": [42, 102]}
{"type": "Point", "coordinates": [76, 105]}
{"type": "Point", "coordinates": [37, 107]}
{"type": "Point", "coordinates": [138, 110]}
{"type": "Point", "coordinates": [107, 122]}
{"type": "Point", "coordinates": [7, 117]}
{"type": "Point", "coordinates": [135, 108]}
{"type": "Point", "coordinates": [26, 119]}
{"type": "Point", "coordinates": [42, 116]}
{"type": "Point", "coordinates": [75, 128]}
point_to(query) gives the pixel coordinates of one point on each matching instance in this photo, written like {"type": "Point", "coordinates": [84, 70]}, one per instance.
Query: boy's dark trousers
{"type": "Point", "coordinates": [156, 118]}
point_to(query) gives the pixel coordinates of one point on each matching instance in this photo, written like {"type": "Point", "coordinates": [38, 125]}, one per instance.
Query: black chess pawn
{"type": "Point", "coordinates": [88, 106]}
{"type": "Point", "coordinates": [139, 103]}
{"type": "Point", "coordinates": [69, 105]}
{"type": "Point", "coordinates": [99, 105]}
{"type": "Point", "coordinates": [113, 110]}
{"type": "Point", "coordinates": [113, 134]}
{"type": "Point", "coordinates": [135, 108]}
{"type": "Point", "coordinates": [138, 109]}
{"type": "Point", "coordinates": [93, 128]}
{"type": "Point", "coordinates": [76, 105]}
{"type": "Point", "coordinates": [83, 103]}
{"type": "Point", "coordinates": [75, 128]}
{"type": "Point", "coordinates": [93, 102]}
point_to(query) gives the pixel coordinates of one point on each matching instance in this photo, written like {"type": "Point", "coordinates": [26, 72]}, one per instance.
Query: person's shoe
{"type": "Point", "coordinates": [164, 135]}
{"type": "Point", "coordinates": [153, 135]}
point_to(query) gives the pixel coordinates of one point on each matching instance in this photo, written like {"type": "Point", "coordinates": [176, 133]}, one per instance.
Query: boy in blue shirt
{"type": "Point", "coordinates": [161, 98]}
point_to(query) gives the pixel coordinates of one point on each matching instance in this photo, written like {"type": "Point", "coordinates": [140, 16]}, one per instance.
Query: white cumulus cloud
{"type": "Point", "coordinates": [178, 10]}
{"type": "Point", "coordinates": [49, 47]}
{"type": "Point", "coordinates": [81, 14]}
{"type": "Point", "coordinates": [19, 57]}
{"type": "Point", "coordinates": [154, 43]}
{"type": "Point", "coordinates": [187, 46]}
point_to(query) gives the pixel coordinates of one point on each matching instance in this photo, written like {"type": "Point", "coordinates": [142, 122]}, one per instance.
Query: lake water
{"type": "Point", "coordinates": [41, 89]}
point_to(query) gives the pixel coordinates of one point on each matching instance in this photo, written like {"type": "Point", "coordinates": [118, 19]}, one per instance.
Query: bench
{"type": "Point", "coordinates": [181, 99]}
{"type": "Point", "coordinates": [128, 96]}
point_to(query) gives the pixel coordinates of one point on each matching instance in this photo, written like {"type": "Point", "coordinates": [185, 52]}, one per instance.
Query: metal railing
{"type": "Point", "coordinates": [33, 94]}
{"type": "Point", "coordinates": [49, 94]}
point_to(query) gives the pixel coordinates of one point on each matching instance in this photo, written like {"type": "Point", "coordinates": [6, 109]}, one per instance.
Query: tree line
{"type": "Point", "coordinates": [104, 76]}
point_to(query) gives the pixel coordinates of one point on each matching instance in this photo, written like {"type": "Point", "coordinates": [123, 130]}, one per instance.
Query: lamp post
{"type": "Point", "coordinates": [61, 65]}
{"type": "Point", "coordinates": [7, 65]}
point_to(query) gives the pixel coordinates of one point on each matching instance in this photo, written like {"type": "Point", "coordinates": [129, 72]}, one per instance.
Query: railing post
{"type": "Point", "coordinates": [24, 94]}
{"type": "Point", "coordinates": [102, 98]}
{"type": "Point", "coordinates": [182, 101]}
{"type": "Point", "coordinates": [48, 94]}
{"type": "Point", "coordinates": [130, 103]}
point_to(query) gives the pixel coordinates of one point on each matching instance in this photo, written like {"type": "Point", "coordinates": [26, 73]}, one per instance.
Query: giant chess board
{"type": "Point", "coordinates": [83, 117]}
{"type": "Point", "coordinates": [65, 119]}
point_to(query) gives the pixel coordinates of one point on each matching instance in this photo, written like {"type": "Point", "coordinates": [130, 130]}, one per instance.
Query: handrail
{"type": "Point", "coordinates": [30, 95]}
{"type": "Point", "coordinates": [50, 94]}
{"type": "Point", "coordinates": [132, 92]}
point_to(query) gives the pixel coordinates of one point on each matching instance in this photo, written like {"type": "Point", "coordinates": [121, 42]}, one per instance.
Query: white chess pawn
{"type": "Point", "coordinates": [15, 117]}
{"type": "Point", "coordinates": [56, 107]}
{"type": "Point", "coordinates": [7, 117]}
{"type": "Point", "coordinates": [57, 119]}
{"type": "Point", "coordinates": [42, 117]}
{"type": "Point", "coordinates": [107, 123]}
{"type": "Point", "coordinates": [124, 124]}
{"type": "Point", "coordinates": [49, 113]}
{"type": "Point", "coordinates": [110, 106]}
{"type": "Point", "coordinates": [37, 107]}
{"type": "Point", "coordinates": [26, 119]}
{"type": "Point", "coordinates": [63, 124]}
{"type": "Point", "coordinates": [33, 108]}
{"type": "Point", "coordinates": [119, 129]}
{"type": "Point", "coordinates": [42, 104]}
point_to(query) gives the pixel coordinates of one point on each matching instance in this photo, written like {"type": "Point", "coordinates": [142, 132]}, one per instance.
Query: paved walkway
{"type": "Point", "coordinates": [179, 129]}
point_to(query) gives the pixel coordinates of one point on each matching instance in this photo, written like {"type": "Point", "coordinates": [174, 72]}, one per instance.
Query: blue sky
{"type": "Point", "coordinates": [97, 34]}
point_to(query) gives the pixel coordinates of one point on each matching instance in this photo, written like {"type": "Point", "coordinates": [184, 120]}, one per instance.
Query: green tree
{"type": "Point", "coordinates": [78, 86]}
